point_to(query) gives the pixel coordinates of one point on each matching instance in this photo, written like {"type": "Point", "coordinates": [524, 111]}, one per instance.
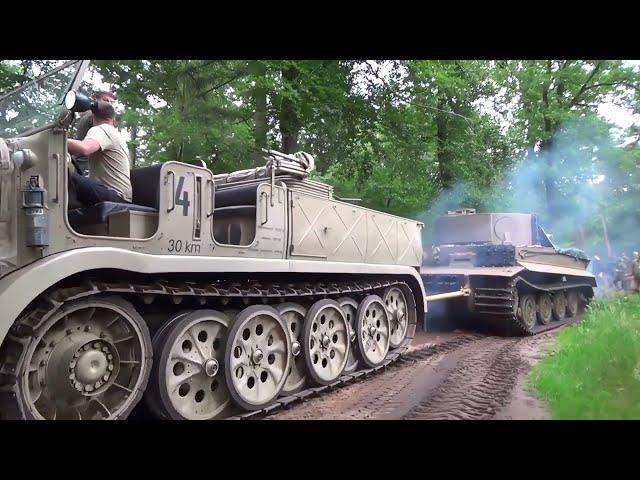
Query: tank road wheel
{"type": "Point", "coordinates": [527, 311]}
{"type": "Point", "coordinates": [186, 379]}
{"type": "Point", "coordinates": [572, 303]}
{"type": "Point", "coordinates": [90, 360]}
{"type": "Point", "coordinates": [350, 308]}
{"type": "Point", "coordinates": [372, 330]}
{"type": "Point", "coordinates": [545, 304]}
{"type": "Point", "coordinates": [516, 301]}
{"type": "Point", "coordinates": [257, 357]}
{"type": "Point", "coordinates": [559, 306]}
{"type": "Point", "coordinates": [293, 315]}
{"type": "Point", "coordinates": [398, 320]}
{"type": "Point", "coordinates": [326, 341]}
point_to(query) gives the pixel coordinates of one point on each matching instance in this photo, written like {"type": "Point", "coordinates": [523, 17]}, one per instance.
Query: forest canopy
{"type": "Point", "coordinates": [410, 137]}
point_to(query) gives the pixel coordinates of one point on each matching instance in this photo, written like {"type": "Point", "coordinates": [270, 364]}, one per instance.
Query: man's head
{"type": "Point", "coordinates": [105, 96]}
{"type": "Point", "coordinates": [104, 113]}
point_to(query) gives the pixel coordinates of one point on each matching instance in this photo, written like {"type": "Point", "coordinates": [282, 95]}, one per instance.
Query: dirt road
{"type": "Point", "coordinates": [448, 375]}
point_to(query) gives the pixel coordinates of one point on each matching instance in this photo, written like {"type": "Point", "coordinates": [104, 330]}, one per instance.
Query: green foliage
{"type": "Point", "coordinates": [594, 369]}
{"type": "Point", "coordinates": [408, 137]}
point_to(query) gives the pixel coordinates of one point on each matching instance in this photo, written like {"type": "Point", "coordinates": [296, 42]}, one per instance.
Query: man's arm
{"type": "Point", "coordinates": [83, 148]}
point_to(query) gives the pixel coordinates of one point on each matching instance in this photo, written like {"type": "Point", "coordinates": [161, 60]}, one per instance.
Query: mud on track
{"type": "Point", "coordinates": [452, 375]}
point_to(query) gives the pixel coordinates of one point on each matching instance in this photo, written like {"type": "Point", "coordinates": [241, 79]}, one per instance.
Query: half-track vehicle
{"type": "Point", "coordinates": [206, 296]}
{"type": "Point", "coordinates": [514, 279]}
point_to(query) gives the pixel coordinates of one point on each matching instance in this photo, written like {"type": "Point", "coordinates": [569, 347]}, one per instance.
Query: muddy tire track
{"type": "Point", "coordinates": [379, 396]}
{"type": "Point", "coordinates": [478, 386]}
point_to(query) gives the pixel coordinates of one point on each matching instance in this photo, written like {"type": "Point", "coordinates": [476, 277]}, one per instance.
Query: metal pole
{"type": "Point", "coordinates": [464, 292]}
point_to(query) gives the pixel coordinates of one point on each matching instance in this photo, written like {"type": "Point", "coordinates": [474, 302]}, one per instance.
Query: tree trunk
{"type": "Point", "coordinates": [547, 146]}
{"type": "Point", "coordinates": [261, 127]}
{"type": "Point", "coordinates": [133, 146]}
{"type": "Point", "coordinates": [289, 121]}
{"type": "Point", "coordinates": [444, 170]}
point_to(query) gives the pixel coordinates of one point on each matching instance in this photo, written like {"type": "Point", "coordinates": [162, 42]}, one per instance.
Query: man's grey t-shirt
{"type": "Point", "coordinates": [110, 165]}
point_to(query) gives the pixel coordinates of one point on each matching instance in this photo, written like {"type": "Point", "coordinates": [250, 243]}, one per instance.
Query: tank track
{"type": "Point", "coordinates": [50, 302]}
{"type": "Point", "coordinates": [499, 304]}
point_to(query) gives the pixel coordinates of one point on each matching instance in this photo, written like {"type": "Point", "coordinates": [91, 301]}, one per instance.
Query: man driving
{"type": "Point", "coordinates": [108, 161]}
{"type": "Point", "coordinates": [85, 122]}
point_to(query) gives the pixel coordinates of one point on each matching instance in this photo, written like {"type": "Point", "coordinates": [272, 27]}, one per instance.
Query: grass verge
{"type": "Point", "coordinates": [593, 370]}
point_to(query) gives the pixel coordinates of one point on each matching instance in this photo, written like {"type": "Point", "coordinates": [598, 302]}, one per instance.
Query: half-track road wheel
{"type": "Point", "coordinates": [186, 379]}
{"type": "Point", "coordinates": [559, 306]}
{"type": "Point", "coordinates": [372, 330]}
{"type": "Point", "coordinates": [527, 311]}
{"type": "Point", "coordinates": [89, 360]}
{"type": "Point", "coordinates": [572, 303]}
{"type": "Point", "coordinates": [293, 315]}
{"type": "Point", "coordinates": [231, 314]}
{"type": "Point", "coordinates": [545, 305]}
{"type": "Point", "coordinates": [257, 357]}
{"type": "Point", "coordinates": [151, 394]}
{"type": "Point", "coordinates": [396, 304]}
{"type": "Point", "coordinates": [350, 308]}
{"type": "Point", "coordinates": [326, 341]}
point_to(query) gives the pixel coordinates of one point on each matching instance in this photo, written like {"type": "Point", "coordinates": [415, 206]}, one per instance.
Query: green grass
{"type": "Point", "coordinates": [593, 370]}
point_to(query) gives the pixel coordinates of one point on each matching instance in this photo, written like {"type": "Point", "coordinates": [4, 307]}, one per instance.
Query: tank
{"type": "Point", "coordinates": [208, 296]}
{"type": "Point", "coordinates": [515, 280]}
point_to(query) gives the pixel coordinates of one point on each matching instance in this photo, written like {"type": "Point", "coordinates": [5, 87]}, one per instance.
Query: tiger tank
{"type": "Point", "coordinates": [515, 281]}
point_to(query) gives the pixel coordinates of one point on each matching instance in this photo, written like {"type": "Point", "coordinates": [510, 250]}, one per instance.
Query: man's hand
{"type": "Point", "coordinates": [82, 148]}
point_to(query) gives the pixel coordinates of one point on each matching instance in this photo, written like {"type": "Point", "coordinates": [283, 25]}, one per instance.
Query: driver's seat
{"type": "Point", "coordinates": [124, 219]}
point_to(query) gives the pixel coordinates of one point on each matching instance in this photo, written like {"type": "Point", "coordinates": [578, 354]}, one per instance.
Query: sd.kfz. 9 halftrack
{"type": "Point", "coordinates": [207, 296]}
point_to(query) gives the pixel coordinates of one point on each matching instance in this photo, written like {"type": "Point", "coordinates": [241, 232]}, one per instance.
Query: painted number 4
{"type": "Point", "coordinates": [182, 198]}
